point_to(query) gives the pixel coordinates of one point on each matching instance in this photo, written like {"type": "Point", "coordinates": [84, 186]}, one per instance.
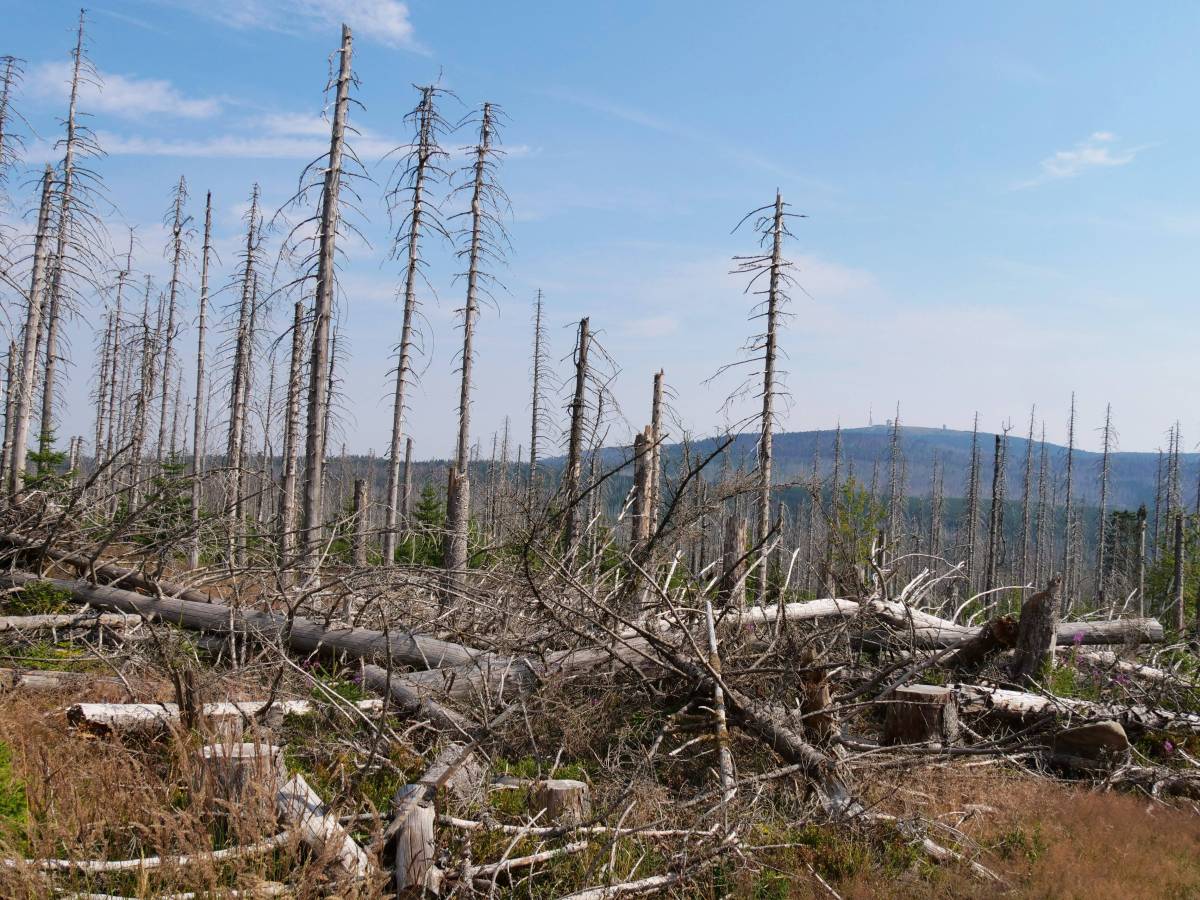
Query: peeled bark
{"type": "Point", "coordinates": [33, 327]}
{"type": "Point", "coordinates": [318, 391]}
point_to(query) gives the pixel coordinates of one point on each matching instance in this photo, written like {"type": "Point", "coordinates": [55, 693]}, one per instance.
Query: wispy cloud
{"type": "Point", "coordinates": [385, 21]}
{"type": "Point", "coordinates": [1099, 150]}
{"type": "Point", "coordinates": [125, 96]}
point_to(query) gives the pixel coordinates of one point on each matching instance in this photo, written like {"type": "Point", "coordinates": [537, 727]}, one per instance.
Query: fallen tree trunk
{"type": "Point", "coordinates": [1022, 706]}
{"type": "Point", "coordinates": [149, 717]}
{"type": "Point", "coordinates": [301, 634]}
{"type": "Point", "coordinates": [66, 621]}
{"type": "Point", "coordinates": [51, 680]}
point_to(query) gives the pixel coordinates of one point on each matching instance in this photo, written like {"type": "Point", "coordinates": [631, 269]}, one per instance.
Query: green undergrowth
{"type": "Point", "coordinates": [38, 598]}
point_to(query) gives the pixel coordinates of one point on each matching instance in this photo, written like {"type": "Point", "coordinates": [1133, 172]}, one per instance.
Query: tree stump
{"type": "Point", "coordinates": [920, 713]}
{"type": "Point", "coordinates": [1037, 634]}
{"type": "Point", "coordinates": [237, 783]}
{"type": "Point", "coordinates": [564, 800]}
{"type": "Point", "coordinates": [416, 849]}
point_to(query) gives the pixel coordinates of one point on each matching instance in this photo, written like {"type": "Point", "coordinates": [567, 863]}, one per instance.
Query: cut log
{"type": "Point", "coordinates": [921, 713]}
{"type": "Point", "coordinates": [301, 807]}
{"type": "Point", "coordinates": [67, 621]}
{"type": "Point", "coordinates": [240, 782]}
{"type": "Point", "coordinates": [1023, 707]}
{"type": "Point", "coordinates": [50, 680]}
{"type": "Point", "coordinates": [301, 634]}
{"type": "Point", "coordinates": [154, 717]}
{"type": "Point", "coordinates": [563, 801]}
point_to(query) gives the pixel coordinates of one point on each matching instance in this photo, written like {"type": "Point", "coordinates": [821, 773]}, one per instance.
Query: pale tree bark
{"type": "Point", "coordinates": [10, 409]}
{"type": "Point", "coordinates": [318, 391]}
{"type": "Point", "coordinates": [936, 501]}
{"type": "Point", "coordinates": [835, 512]}
{"type": "Point", "coordinates": [33, 329]}
{"type": "Point", "coordinates": [1042, 542]}
{"type": "Point", "coordinates": [239, 387]}
{"type": "Point", "coordinates": [972, 520]}
{"type": "Point", "coordinates": [775, 300]}
{"type": "Point", "coordinates": [200, 410]}
{"type": "Point", "coordinates": [1068, 559]}
{"type": "Point", "coordinates": [422, 167]}
{"type": "Point", "coordinates": [291, 442]}
{"type": "Point", "coordinates": [995, 518]}
{"type": "Point", "coordinates": [458, 509]}
{"type": "Point", "coordinates": [115, 432]}
{"type": "Point", "coordinates": [656, 440]}
{"type": "Point", "coordinates": [1102, 529]}
{"type": "Point", "coordinates": [1141, 560]}
{"type": "Point", "coordinates": [540, 360]}
{"type": "Point", "coordinates": [65, 213]}
{"type": "Point", "coordinates": [1026, 488]}
{"type": "Point", "coordinates": [1177, 610]}
{"type": "Point", "coordinates": [179, 224]}
{"type": "Point", "coordinates": [406, 503]}
{"type": "Point", "coordinates": [142, 402]}
{"type": "Point", "coordinates": [895, 494]}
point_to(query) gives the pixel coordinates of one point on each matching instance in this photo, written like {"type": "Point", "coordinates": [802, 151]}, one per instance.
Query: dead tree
{"type": "Point", "coordinates": [33, 328]}
{"type": "Point", "coordinates": [200, 406]}
{"type": "Point", "coordinates": [422, 165]}
{"type": "Point", "coordinates": [996, 516]}
{"type": "Point", "coordinates": [178, 223]}
{"type": "Point", "coordinates": [895, 491]}
{"type": "Point", "coordinates": [1102, 525]}
{"type": "Point", "coordinates": [541, 365]}
{"type": "Point", "coordinates": [291, 441]}
{"type": "Point", "coordinates": [78, 232]}
{"type": "Point", "coordinates": [770, 224]}
{"type": "Point", "coordinates": [656, 439]}
{"type": "Point", "coordinates": [1042, 540]}
{"type": "Point", "coordinates": [972, 512]}
{"type": "Point", "coordinates": [329, 217]}
{"type": "Point", "coordinates": [358, 540]}
{"type": "Point", "coordinates": [484, 234]}
{"type": "Point", "coordinates": [1037, 634]}
{"type": "Point", "coordinates": [1068, 559]}
{"type": "Point", "coordinates": [239, 383]}
{"type": "Point", "coordinates": [573, 471]}
{"type": "Point", "coordinates": [1177, 610]}
{"type": "Point", "coordinates": [1141, 560]}
{"type": "Point", "coordinates": [1026, 491]}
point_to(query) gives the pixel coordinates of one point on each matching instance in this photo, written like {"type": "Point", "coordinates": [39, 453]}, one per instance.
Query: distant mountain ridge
{"type": "Point", "coordinates": [1131, 475]}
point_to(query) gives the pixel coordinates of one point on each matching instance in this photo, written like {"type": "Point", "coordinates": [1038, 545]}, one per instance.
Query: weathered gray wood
{"type": "Point", "coordinates": [416, 847]}
{"type": "Point", "coordinates": [1037, 634]}
{"type": "Point", "coordinates": [300, 806]}
{"type": "Point", "coordinates": [920, 713]}
{"type": "Point", "coordinates": [301, 634]}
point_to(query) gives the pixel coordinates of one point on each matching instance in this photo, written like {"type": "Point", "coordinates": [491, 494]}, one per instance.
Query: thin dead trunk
{"type": "Point", "coordinates": [319, 381]}
{"type": "Point", "coordinates": [199, 438]}
{"type": "Point", "coordinates": [574, 466]}
{"type": "Point", "coordinates": [291, 443]}
{"type": "Point", "coordinates": [178, 256]}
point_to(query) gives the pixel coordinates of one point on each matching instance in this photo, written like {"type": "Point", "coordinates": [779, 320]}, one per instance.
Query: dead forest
{"type": "Point", "coordinates": [239, 662]}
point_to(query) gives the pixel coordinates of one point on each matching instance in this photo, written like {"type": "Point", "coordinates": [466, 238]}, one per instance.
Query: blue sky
{"type": "Point", "coordinates": [1002, 200]}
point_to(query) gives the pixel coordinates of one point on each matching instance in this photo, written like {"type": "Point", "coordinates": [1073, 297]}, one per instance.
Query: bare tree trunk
{"type": "Point", "coordinates": [318, 392]}
{"type": "Point", "coordinates": [11, 388]}
{"type": "Point", "coordinates": [1177, 577]}
{"type": "Point", "coordinates": [574, 467]}
{"type": "Point", "coordinates": [115, 433]}
{"type": "Point", "coordinates": [422, 164]}
{"type": "Point", "coordinates": [406, 507]}
{"type": "Point", "coordinates": [1158, 502]}
{"type": "Point", "coordinates": [733, 565]}
{"type": "Point", "coordinates": [895, 495]}
{"type": "Point", "coordinates": [1102, 529]}
{"type": "Point", "coordinates": [1026, 491]}
{"type": "Point", "coordinates": [142, 403]}
{"type": "Point", "coordinates": [199, 438]}
{"type": "Point", "coordinates": [1141, 560]}
{"type": "Point", "coordinates": [178, 252]}
{"type": "Point", "coordinates": [656, 439]}
{"type": "Point", "coordinates": [33, 328]}
{"type": "Point", "coordinates": [1068, 559]}
{"type": "Point", "coordinates": [359, 539]}
{"type": "Point", "coordinates": [458, 510]}
{"type": "Point", "coordinates": [835, 512]}
{"type": "Point", "coordinates": [770, 388]}
{"type": "Point", "coordinates": [1042, 543]}
{"type": "Point", "coordinates": [539, 363]}
{"type": "Point", "coordinates": [972, 523]}
{"type": "Point", "coordinates": [291, 442]}
{"type": "Point", "coordinates": [65, 211]}
{"type": "Point", "coordinates": [937, 499]}
{"type": "Point", "coordinates": [995, 518]}
{"type": "Point", "coordinates": [239, 388]}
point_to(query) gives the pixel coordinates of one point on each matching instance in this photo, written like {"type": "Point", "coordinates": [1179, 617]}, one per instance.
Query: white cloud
{"type": "Point", "coordinates": [386, 21]}
{"type": "Point", "coordinates": [1099, 150]}
{"type": "Point", "coordinates": [122, 95]}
